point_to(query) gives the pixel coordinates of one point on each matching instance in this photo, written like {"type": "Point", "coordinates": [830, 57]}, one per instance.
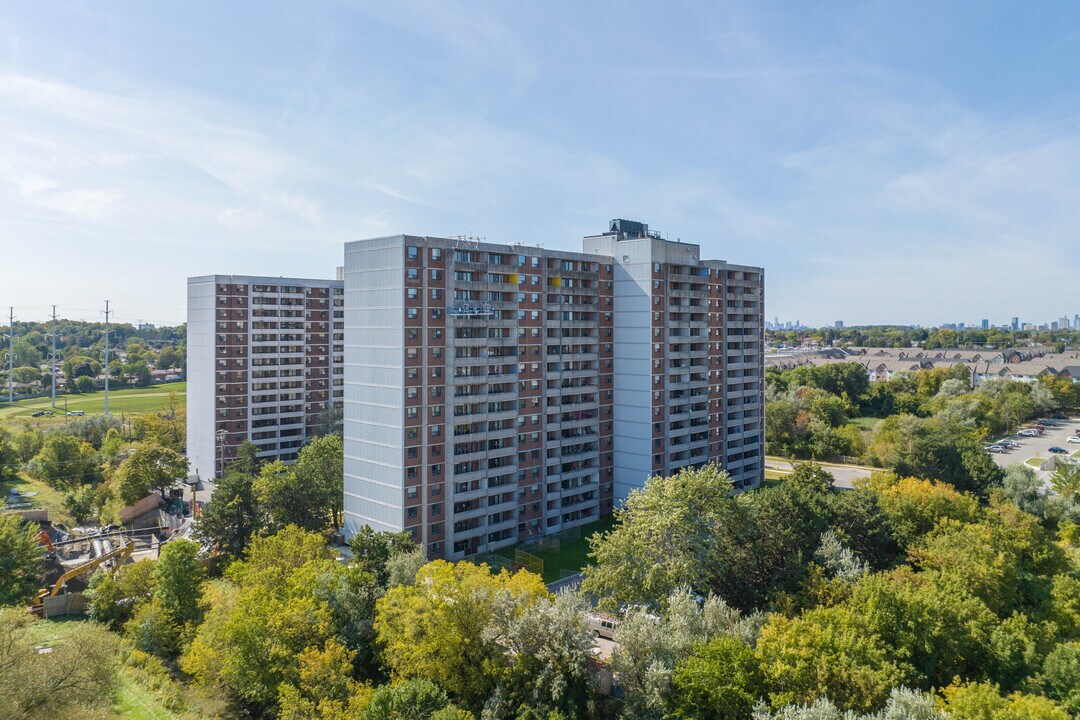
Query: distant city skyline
{"type": "Point", "coordinates": [885, 162]}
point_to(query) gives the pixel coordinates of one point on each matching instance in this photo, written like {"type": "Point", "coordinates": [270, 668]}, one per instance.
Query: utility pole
{"type": "Point", "coordinates": [11, 357]}
{"type": "Point", "coordinates": [106, 358]}
{"type": "Point", "coordinates": [53, 383]}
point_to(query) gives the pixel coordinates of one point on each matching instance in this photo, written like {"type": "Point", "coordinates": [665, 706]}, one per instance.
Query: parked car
{"type": "Point", "coordinates": [995, 448]}
{"type": "Point", "coordinates": [1058, 450]}
{"type": "Point", "coordinates": [1073, 439]}
{"type": "Point", "coordinates": [1031, 433]}
{"type": "Point", "coordinates": [1046, 423]}
{"type": "Point", "coordinates": [77, 413]}
{"type": "Point", "coordinates": [39, 413]}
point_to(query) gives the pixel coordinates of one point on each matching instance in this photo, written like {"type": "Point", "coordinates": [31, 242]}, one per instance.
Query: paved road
{"type": "Point", "coordinates": [843, 475]}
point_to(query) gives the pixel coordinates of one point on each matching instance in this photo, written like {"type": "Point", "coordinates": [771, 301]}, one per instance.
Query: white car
{"type": "Point", "coordinates": [1074, 439]}
{"type": "Point", "coordinates": [1028, 433]}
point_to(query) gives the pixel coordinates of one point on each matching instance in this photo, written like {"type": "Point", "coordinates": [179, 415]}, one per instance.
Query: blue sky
{"type": "Point", "coordinates": [886, 162]}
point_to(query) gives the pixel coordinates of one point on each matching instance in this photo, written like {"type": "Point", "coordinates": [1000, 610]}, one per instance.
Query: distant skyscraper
{"type": "Point", "coordinates": [839, 324]}
{"type": "Point", "coordinates": [985, 324]}
{"type": "Point", "coordinates": [1015, 324]}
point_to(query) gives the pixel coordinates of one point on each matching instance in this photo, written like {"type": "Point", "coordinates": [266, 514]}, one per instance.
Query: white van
{"type": "Point", "coordinates": [603, 625]}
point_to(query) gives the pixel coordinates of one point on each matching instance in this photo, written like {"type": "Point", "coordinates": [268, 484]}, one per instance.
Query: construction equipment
{"type": "Point", "coordinates": [121, 554]}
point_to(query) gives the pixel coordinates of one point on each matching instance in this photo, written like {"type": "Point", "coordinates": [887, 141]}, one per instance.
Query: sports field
{"type": "Point", "coordinates": [130, 401]}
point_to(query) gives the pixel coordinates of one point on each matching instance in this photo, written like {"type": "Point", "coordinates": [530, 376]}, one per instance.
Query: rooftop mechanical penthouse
{"type": "Point", "coordinates": [498, 392]}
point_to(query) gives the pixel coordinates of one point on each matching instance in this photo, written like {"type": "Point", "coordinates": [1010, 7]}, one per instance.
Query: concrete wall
{"type": "Point", "coordinates": [201, 448]}
{"type": "Point", "coordinates": [374, 414]}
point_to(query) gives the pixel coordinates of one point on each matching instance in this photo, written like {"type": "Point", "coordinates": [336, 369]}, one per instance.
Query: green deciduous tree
{"type": "Point", "coordinates": [320, 468]}
{"type": "Point", "coordinates": [20, 560]}
{"type": "Point", "coordinates": [64, 461]}
{"type": "Point", "coordinates": [722, 680]}
{"type": "Point", "coordinates": [434, 629]}
{"type": "Point", "coordinates": [148, 468]}
{"type": "Point", "coordinates": [283, 499]}
{"type": "Point", "coordinates": [253, 636]}
{"type": "Point", "coordinates": [230, 517]}
{"type": "Point", "coordinates": [113, 596]}
{"type": "Point", "coordinates": [179, 580]}
{"type": "Point", "coordinates": [373, 549]}
{"type": "Point", "coordinates": [827, 651]}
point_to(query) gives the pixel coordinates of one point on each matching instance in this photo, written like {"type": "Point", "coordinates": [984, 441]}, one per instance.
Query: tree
{"type": "Point", "coordinates": [720, 681]}
{"type": "Point", "coordinates": [153, 630]}
{"type": "Point", "coordinates": [903, 704]}
{"type": "Point", "coordinates": [373, 549]}
{"type": "Point", "coordinates": [168, 358]}
{"type": "Point", "coordinates": [10, 455]}
{"type": "Point", "coordinates": [1060, 676]}
{"type": "Point", "coordinates": [83, 384]}
{"type": "Point", "coordinates": [26, 375]}
{"type": "Point", "coordinates": [434, 629]}
{"type": "Point", "coordinates": [320, 467]}
{"type": "Point", "coordinates": [1066, 481]}
{"type": "Point", "coordinates": [982, 701]}
{"type": "Point", "coordinates": [179, 580]}
{"type": "Point", "coordinates": [1020, 486]}
{"type": "Point", "coordinates": [283, 499]}
{"type": "Point", "coordinates": [20, 560]}
{"type": "Point", "coordinates": [64, 461]}
{"type": "Point", "coordinates": [913, 507]}
{"type": "Point", "coordinates": [255, 631]}
{"type": "Point", "coordinates": [324, 688]}
{"type": "Point", "coordinates": [549, 647]}
{"type": "Point", "coordinates": [230, 517]}
{"type": "Point", "coordinates": [649, 648]}
{"type": "Point", "coordinates": [350, 594]}
{"type": "Point", "coordinates": [113, 596]}
{"type": "Point", "coordinates": [827, 651]}
{"type": "Point", "coordinates": [149, 468]}
{"type": "Point", "coordinates": [662, 538]}
{"type": "Point", "coordinates": [139, 373]}
{"type": "Point", "coordinates": [26, 443]}
{"type": "Point", "coordinates": [80, 502]}
{"type": "Point", "coordinates": [416, 699]}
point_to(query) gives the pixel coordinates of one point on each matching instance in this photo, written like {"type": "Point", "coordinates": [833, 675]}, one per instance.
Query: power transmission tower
{"type": "Point", "coordinates": [11, 357]}
{"type": "Point", "coordinates": [53, 383]}
{"type": "Point", "coordinates": [106, 358]}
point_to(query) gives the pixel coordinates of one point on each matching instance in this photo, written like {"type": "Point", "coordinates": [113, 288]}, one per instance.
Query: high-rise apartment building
{"type": "Point", "coordinates": [265, 364]}
{"type": "Point", "coordinates": [497, 392]}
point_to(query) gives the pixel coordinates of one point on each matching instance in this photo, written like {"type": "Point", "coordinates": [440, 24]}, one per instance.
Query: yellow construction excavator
{"type": "Point", "coordinates": [121, 554]}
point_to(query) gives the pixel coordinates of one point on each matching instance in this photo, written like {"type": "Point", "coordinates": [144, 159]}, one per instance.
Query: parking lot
{"type": "Point", "coordinates": [1039, 447]}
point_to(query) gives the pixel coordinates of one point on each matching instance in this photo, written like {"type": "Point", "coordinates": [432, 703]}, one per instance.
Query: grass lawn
{"type": "Point", "coordinates": [128, 401]}
{"type": "Point", "coordinates": [571, 556]}
{"type": "Point", "coordinates": [771, 474]}
{"type": "Point", "coordinates": [1076, 454]}
{"type": "Point", "coordinates": [1035, 461]}
{"type": "Point", "coordinates": [133, 701]}
{"type": "Point", "coordinates": [865, 423]}
{"type": "Point", "coordinates": [47, 497]}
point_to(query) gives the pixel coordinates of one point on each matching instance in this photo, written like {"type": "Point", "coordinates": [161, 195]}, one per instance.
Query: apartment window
{"type": "Point", "coordinates": [411, 353]}
{"type": "Point", "coordinates": [436, 411]}
{"type": "Point", "coordinates": [412, 433]}
{"type": "Point", "coordinates": [413, 453]}
{"type": "Point", "coordinates": [436, 294]}
{"type": "Point", "coordinates": [436, 372]}
{"type": "Point", "coordinates": [411, 513]}
{"type": "Point", "coordinates": [436, 353]}
{"type": "Point", "coordinates": [436, 470]}
{"type": "Point", "coordinates": [413, 274]}
{"type": "Point", "coordinates": [412, 393]}
{"type": "Point", "coordinates": [436, 253]}
{"type": "Point", "coordinates": [412, 373]}
{"type": "Point", "coordinates": [412, 473]}
{"type": "Point", "coordinates": [436, 431]}
{"type": "Point", "coordinates": [411, 492]}
{"type": "Point", "coordinates": [412, 313]}
{"type": "Point", "coordinates": [436, 274]}
{"type": "Point", "coordinates": [413, 252]}
{"type": "Point", "coordinates": [435, 509]}
{"type": "Point", "coordinates": [412, 293]}
{"type": "Point", "coordinates": [436, 333]}
{"type": "Point", "coordinates": [411, 413]}
{"type": "Point", "coordinates": [412, 333]}
{"type": "Point", "coordinates": [436, 314]}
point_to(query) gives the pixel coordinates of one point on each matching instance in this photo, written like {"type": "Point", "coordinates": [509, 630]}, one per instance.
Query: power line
{"type": "Point", "coordinates": [106, 358]}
